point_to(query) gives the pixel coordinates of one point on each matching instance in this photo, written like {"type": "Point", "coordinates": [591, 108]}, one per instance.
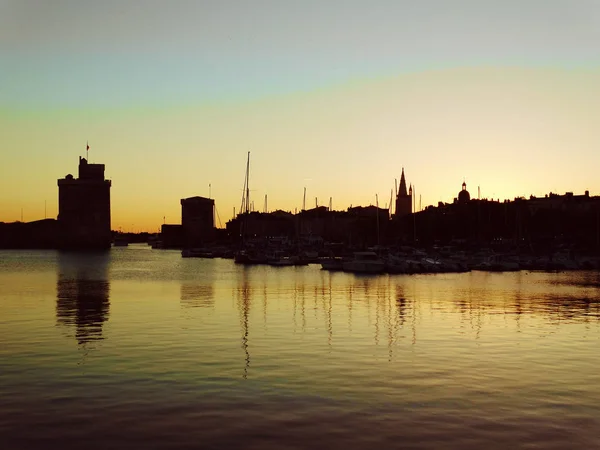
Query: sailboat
{"type": "Point", "coordinates": [245, 254]}
{"type": "Point", "coordinates": [242, 256]}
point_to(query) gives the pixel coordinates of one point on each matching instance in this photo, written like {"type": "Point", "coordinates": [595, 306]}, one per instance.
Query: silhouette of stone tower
{"type": "Point", "coordinates": [403, 199]}
{"type": "Point", "coordinates": [84, 208]}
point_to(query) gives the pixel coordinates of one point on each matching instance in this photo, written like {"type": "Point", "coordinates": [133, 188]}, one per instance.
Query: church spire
{"type": "Point", "coordinates": [403, 199]}
{"type": "Point", "coordinates": [402, 191]}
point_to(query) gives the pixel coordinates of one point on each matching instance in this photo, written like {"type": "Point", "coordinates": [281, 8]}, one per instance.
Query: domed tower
{"type": "Point", "coordinates": [463, 195]}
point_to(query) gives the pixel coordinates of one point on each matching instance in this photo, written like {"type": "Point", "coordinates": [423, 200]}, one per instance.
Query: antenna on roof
{"type": "Point", "coordinates": [304, 200]}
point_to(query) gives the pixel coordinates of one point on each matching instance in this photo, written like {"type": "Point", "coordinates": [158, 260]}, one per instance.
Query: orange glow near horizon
{"type": "Point", "coordinates": [170, 98]}
{"type": "Point", "coordinates": [514, 132]}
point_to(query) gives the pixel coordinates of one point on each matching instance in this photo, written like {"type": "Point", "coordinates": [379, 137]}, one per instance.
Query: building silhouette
{"type": "Point", "coordinates": [403, 199]}
{"type": "Point", "coordinates": [171, 236]}
{"type": "Point", "coordinates": [197, 220]}
{"type": "Point", "coordinates": [37, 234]}
{"type": "Point", "coordinates": [84, 208]}
{"type": "Point", "coordinates": [463, 195]}
{"type": "Point", "coordinates": [357, 226]}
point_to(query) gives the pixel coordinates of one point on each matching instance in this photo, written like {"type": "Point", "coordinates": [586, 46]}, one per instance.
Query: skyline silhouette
{"type": "Point", "coordinates": [502, 96]}
{"type": "Point", "coordinates": [296, 222]}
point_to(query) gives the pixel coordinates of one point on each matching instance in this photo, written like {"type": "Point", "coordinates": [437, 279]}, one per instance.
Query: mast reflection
{"type": "Point", "coordinates": [244, 303]}
{"type": "Point", "coordinates": [197, 294]}
{"type": "Point", "coordinates": [385, 308]}
{"type": "Point", "coordinates": [82, 294]}
{"type": "Point", "coordinates": [573, 298]}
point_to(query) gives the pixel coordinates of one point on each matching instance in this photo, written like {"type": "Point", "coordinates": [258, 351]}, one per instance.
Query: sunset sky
{"type": "Point", "coordinates": [332, 95]}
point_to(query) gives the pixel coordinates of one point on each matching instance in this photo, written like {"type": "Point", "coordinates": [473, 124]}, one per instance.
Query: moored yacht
{"type": "Point", "coordinates": [278, 258]}
{"type": "Point", "coordinates": [196, 253]}
{"type": "Point", "coordinates": [364, 262]}
{"type": "Point", "coordinates": [120, 242]}
{"type": "Point", "coordinates": [250, 256]}
{"type": "Point", "coordinates": [332, 263]}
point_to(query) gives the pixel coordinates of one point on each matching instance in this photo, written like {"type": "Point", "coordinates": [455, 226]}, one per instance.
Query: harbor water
{"type": "Point", "coordinates": [140, 348]}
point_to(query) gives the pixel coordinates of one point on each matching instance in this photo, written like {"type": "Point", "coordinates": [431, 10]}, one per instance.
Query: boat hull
{"type": "Point", "coordinates": [364, 267]}
{"type": "Point", "coordinates": [332, 264]}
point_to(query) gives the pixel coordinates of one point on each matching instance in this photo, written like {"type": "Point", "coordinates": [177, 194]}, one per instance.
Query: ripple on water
{"type": "Point", "coordinates": [141, 348]}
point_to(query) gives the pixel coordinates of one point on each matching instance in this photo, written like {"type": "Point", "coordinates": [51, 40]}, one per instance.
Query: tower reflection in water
{"type": "Point", "coordinates": [197, 286]}
{"type": "Point", "coordinates": [82, 294]}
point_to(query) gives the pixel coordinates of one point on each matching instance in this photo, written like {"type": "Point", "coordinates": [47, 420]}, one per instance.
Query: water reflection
{"type": "Point", "coordinates": [573, 297]}
{"type": "Point", "coordinates": [389, 306]}
{"type": "Point", "coordinates": [299, 299]}
{"type": "Point", "coordinates": [468, 360]}
{"type": "Point", "coordinates": [82, 294]}
{"type": "Point", "coordinates": [244, 303]}
{"type": "Point", "coordinates": [327, 306]}
{"type": "Point", "coordinates": [197, 285]}
{"type": "Point", "coordinates": [335, 309]}
{"type": "Point", "coordinates": [196, 294]}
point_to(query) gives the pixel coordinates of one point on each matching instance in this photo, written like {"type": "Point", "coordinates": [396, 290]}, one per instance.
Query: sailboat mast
{"type": "Point", "coordinates": [245, 205]}
{"type": "Point", "coordinates": [248, 184]}
{"type": "Point", "coordinates": [377, 206]}
{"type": "Point", "coordinates": [304, 200]}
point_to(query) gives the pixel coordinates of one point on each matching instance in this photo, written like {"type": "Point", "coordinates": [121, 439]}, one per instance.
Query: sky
{"type": "Point", "coordinates": [334, 96]}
